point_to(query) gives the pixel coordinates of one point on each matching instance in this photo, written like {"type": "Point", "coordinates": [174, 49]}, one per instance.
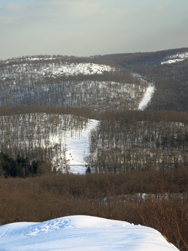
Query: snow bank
{"type": "Point", "coordinates": [81, 233]}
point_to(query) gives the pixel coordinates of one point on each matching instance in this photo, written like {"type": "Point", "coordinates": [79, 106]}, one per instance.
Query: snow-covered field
{"type": "Point", "coordinates": [81, 233]}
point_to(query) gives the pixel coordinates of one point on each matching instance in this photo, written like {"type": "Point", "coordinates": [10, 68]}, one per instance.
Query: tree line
{"type": "Point", "coordinates": [20, 166]}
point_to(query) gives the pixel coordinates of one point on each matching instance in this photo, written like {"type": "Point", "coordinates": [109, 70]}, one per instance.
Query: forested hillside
{"type": "Point", "coordinates": [133, 140]}
{"type": "Point", "coordinates": [104, 136]}
{"type": "Point", "coordinates": [166, 69]}
{"type": "Point", "coordinates": [61, 81]}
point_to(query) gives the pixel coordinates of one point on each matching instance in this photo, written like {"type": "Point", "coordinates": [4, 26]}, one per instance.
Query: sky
{"type": "Point", "coordinates": [87, 28]}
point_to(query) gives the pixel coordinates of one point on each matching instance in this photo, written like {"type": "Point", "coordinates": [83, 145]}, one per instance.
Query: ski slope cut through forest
{"type": "Point", "coordinates": [62, 140]}
{"type": "Point", "coordinates": [37, 81]}
{"type": "Point", "coordinates": [81, 233]}
{"type": "Point", "coordinates": [147, 97]}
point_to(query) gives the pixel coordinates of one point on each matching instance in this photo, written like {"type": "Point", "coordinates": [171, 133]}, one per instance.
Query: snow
{"type": "Point", "coordinates": [43, 58]}
{"type": "Point", "coordinates": [175, 58]}
{"type": "Point", "coordinates": [81, 233]}
{"type": "Point", "coordinates": [148, 93]}
{"type": "Point", "coordinates": [147, 97]}
{"type": "Point", "coordinates": [70, 143]}
{"type": "Point", "coordinates": [77, 146]}
{"type": "Point", "coordinates": [72, 69]}
{"type": "Point", "coordinates": [59, 69]}
{"type": "Point", "coordinates": [22, 80]}
{"type": "Point", "coordinates": [76, 69]}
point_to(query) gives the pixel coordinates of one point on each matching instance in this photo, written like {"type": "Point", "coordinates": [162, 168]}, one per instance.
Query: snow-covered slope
{"type": "Point", "coordinates": [53, 69]}
{"type": "Point", "coordinates": [175, 58]}
{"type": "Point", "coordinates": [75, 69]}
{"type": "Point", "coordinates": [148, 94]}
{"type": "Point", "coordinates": [147, 97]}
{"type": "Point", "coordinates": [76, 144]}
{"type": "Point", "coordinates": [81, 233]}
{"type": "Point", "coordinates": [63, 138]}
{"type": "Point", "coordinates": [57, 82]}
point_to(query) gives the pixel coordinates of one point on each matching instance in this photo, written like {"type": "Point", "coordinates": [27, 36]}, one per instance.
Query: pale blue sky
{"type": "Point", "coordinates": [85, 27]}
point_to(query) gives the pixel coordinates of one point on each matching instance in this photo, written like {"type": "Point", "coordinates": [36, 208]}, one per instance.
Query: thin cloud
{"type": "Point", "coordinates": [7, 20]}
{"type": "Point", "coordinates": [15, 7]}
{"type": "Point", "coordinates": [84, 27]}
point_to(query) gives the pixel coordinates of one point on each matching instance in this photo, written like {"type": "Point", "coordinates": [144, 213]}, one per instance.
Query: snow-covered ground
{"type": "Point", "coordinates": [66, 135]}
{"type": "Point", "coordinates": [60, 69]}
{"type": "Point", "coordinates": [81, 233]}
{"type": "Point", "coordinates": [76, 147]}
{"type": "Point", "coordinates": [147, 97]}
{"type": "Point", "coordinates": [148, 93]}
{"type": "Point", "coordinates": [175, 58]}
{"type": "Point", "coordinates": [75, 69]}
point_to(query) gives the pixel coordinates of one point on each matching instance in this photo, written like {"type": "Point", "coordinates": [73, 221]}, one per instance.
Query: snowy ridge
{"type": "Point", "coordinates": [60, 69]}
{"type": "Point", "coordinates": [37, 58]}
{"type": "Point", "coordinates": [81, 233]}
{"type": "Point", "coordinates": [75, 69]}
{"type": "Point", "coordinates": [175, 58]}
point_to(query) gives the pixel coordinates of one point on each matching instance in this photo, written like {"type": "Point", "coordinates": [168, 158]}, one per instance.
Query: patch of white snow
{"type": "Point", "coordinates": [175, 58]}
{"type": "Point", "coordinates": [147, 97]}
{"type": "Point", "coordinates": [81, 233]}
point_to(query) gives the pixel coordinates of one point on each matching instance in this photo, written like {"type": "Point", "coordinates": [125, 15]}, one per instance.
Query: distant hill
{"type": "Point", "coordinates": [74, 82]}
{"type": "Point", "coordinates": [166, 69]}
{"type": "Point", "coordinates": [115, 81]}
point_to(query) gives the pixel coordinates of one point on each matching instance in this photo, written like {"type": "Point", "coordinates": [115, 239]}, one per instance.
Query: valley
{"type": "Point", "coordinates": [105, 131]}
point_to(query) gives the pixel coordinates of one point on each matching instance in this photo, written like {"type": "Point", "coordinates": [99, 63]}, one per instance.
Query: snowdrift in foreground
{"type": "Point", "coordinates": [81, 233]}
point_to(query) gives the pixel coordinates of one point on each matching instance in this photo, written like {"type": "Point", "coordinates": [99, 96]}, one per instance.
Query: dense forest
{"type": "Point", "coordinates": [136, 168]}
